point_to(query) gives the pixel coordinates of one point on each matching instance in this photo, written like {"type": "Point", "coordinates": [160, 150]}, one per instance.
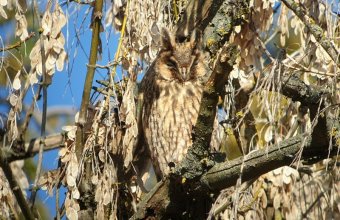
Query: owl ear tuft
{"type": "Point", "coordinates": [168, 40]}
{"type": "Point", "coordinates": [195, 38]}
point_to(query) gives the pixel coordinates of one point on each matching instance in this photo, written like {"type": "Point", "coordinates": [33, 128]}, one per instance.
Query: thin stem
{"type": "Point", "coordinates": [29, 113]}
{"type": "Point", "coordinates": [18, 43]}
{"type": "Point", "coordinates": [45, 84]}
{"type": "Point", "coordinates": [96, 25]}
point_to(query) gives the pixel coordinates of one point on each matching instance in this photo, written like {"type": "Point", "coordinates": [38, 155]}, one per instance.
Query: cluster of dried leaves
{"type": "Point", "coordinates": [45, 57]}
{"type": "Point", "coordinates": [112, 128]}
{"type": "Point", "coordinates": [286, 192]}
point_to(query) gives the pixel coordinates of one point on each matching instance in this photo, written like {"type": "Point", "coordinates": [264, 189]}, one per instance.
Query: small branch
{"type": "Point", "coordinates": [85, 185]}
{"type": "Point", "coordinates": [96, 25]}
{"type": "Point", "coordinates": [30, 113]}
{"type": "Point", "coordinates": [18, 44]}
{"type": "Point", "coordinates": [45, 83]}
{"type": "Point", "coordinates": [215, 211]}
{"type": "Point", "coordinates": [26, 211]}
{"type": "Point", "coordinates": [317, 200]}
{"type": "Point", "coordinates": [297, 90]}
{"type": "Point", "coordinates": [315, 29]}
{"type": "Point", "coordinates": [32, 148]}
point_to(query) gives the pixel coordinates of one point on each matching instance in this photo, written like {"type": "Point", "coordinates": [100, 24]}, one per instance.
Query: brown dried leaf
{"type": "Point", "coordinates": [277, 201]}
{"type": "Point", "coordinates": [128, 109]}
{"type": "Point", "coordinates": [59, 20]}
{"type": "Point", "coordinates": [21, 26]}
{"type": "Point", "coordinates": [46, 23]}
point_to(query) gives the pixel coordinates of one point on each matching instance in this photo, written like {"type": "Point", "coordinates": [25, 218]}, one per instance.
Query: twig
{"type": "Point", "coordinates": [317, 199]}
{"type": "Point", "coordinates": [45, 84]}
{"type": "Point", "coordinates": [223, 206]}
{"type": "Point", "coordinates": [18, 44]}
{"type": "Point", "coordinates": [29, 113]}
{"type": "Point", "coordinates": [57, 203]}
{"type": "Point", "coordinates": [120, 43]}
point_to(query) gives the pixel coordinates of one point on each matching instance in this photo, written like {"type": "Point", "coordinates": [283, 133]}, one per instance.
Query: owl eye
{"type": "Point", "coordinates": [171, 64]}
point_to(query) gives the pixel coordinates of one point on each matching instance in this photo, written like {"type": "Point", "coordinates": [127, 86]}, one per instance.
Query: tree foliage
{"type": "Point", "coordinates": [273, 86]}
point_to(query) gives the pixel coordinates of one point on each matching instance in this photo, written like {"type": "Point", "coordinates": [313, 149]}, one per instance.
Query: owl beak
{"type": "Point", "coordinates": [185, 73]}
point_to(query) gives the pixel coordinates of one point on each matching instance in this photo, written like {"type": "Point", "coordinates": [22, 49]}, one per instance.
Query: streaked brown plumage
{"type": "Point", "coordinates": [172, 90]}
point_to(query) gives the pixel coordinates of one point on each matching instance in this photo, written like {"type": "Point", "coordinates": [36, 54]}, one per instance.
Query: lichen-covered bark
{"type": "Point", "coordinates": [225, 174]}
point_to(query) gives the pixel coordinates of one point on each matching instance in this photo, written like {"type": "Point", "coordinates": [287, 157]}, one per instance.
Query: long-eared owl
{"type": "Point", "coordinates": [172, 90]}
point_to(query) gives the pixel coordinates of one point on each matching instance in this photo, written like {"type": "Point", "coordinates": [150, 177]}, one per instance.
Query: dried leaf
{"type": "Point", "coordinates": [277, 201]}
{"type": "Point", "coordinates": [75, 193]}
{"type": "Point", "coordinates": [46, 23]}
{"type": "Point", "coordinates": [71, 181]}
{"type": "Point", "coordinates": [268, 134]}
{"type": "Point", "coordinates": [16, 81]}
{"type": "Point", "coordinates": [72, 214]}
{"type": "Point", "coordinates": [13, 99]}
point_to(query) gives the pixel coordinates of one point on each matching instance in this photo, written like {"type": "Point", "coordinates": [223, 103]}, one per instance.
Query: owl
{"type": "Point", "coordinates": [172, 91]}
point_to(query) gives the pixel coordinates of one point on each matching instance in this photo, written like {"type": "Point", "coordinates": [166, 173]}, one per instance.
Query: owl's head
{"type": "Point", "coordinates": [180, 60]}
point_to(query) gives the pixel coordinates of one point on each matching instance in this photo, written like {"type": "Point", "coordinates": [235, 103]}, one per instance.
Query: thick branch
{"type": "Point", "coordinates": [226, 174]}
{"type": "Point", "coordinates": [254, 164]}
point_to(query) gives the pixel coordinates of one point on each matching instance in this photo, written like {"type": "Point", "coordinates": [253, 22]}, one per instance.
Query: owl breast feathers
{"type": "Point", "coordinates": [172, 90]}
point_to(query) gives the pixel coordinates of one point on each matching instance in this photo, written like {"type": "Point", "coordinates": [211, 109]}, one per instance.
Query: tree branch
{"type": "Point", "coordinates": [96, 26]}
{"type": "Point", "coordinates": [297, 90]}
{"type": "Point", "coordinates": [85, 185]}
{"type": "Point", "coordinates": [32, 148]}
{"type": "Point", "coordinates": [315, 29]}
{"type": "Point", "coordinates": [18, 43]}
{"type": "Point", "coordinates": [226, 174]}
{"type": "Point", "coordinates": [197, 13]}
{"type": "Point", "coordinates": [254, 164]}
